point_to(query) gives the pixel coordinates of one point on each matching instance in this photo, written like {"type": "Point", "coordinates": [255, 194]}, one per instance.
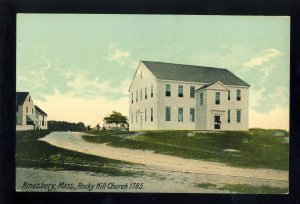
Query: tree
{"type": "Point", "coordinates": [98, 127]}
{"type": "Point", "coordinates": [116, 118]}
{"type": "Point", "coordinates": [65, 126]}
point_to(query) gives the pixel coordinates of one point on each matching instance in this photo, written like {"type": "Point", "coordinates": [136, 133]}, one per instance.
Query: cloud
{"type": "Point", "coordinates": [118, 55]}
{"type": "Point", "coordinates": [37, 77]}
{"type": "Point", "coordinates": [255, 97]}
{"type": "Point", "coordinates": [79, 82]}
{"type": "Point", "coordinates": [266, 71]}
{"type": "Point", "coordinates": [135, 65]}
{"type": "Point", "coordinates": [280, 95]}
{"type": "Point", "coordinates": [231, 57]}
{"type": "Point", "coordinates": [88, 100]}
{"type": "Point", "coordinates": [67, 107]}
{"type": "Point", "coordinates": [277, 118]}
{"type": "Point", "coordinates": [269, 109]}
{"type": "Point", "coordinates": [264, 100]}
{"type": "Point", "coordinates": [224, 45]}
{"type": "Point", "coordinates": [268, 54]}
{"type": "Point", "coordinates": [66, 73]}
{"type": "Point", "coordinates": [83, 86]}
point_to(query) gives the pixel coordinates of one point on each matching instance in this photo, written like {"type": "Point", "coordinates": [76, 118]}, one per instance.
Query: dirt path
{"type": "Point", "coordinates": [74, 141]}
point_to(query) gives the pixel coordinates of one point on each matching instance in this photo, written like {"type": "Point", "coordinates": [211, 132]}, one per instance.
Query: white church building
{"type": "Point", "coordinates": [166, 96]}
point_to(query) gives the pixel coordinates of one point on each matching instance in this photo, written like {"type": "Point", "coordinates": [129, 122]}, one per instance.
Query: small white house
{"type": "Point", "coordinates": [165, 96]}
{"type": "Point", "coordinates": [42, 118]}
{"type": "Point", "coordinates": [29, 116]}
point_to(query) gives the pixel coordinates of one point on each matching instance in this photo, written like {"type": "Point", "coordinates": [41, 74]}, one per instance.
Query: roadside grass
{"type": "Point", "coordinates": [256, 148]}
{"type": "Point", "coordinates": [33, 153]}
{"type": "Point", "coordinates": [206, 185]}
{"type": "Point", "coordinates": [243, 188]}
{"type": "Point", "coordinates": [248, 189]}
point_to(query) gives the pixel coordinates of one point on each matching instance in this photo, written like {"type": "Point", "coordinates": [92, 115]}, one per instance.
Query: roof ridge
{"type": "Point", "coordinates": [192, 65]}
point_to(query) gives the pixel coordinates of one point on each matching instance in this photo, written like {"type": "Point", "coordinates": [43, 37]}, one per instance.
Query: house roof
{"type": "Point", "coordinates": [205, 86]}
{"type": "Point", "coordinates": [31, 117]}
{"type": "Point", "coordinates": [208, 85]}
{"type": "Point", "coordinates": [39, 110]}
{"type": "Point", "coordinates": [192, 73]}
{"type": "Point", "coordinates": [21, 97]}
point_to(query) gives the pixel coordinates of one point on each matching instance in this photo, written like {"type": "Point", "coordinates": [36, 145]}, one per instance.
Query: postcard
{"type": "Point", "coordinates": [152, 103]}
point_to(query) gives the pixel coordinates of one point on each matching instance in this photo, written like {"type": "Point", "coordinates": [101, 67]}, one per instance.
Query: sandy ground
{"type": "Point", "coordinates": [74, 141]}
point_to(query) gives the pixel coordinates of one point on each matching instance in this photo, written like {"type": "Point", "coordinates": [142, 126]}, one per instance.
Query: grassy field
{"type": "Point", "coordinates": [256, 148]}
{"type": "Point", "coordinates": [32, 153]}
{"type": "Point", "coordinates": [244, 188]}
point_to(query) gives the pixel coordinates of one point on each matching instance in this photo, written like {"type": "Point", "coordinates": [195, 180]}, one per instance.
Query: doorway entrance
{"type": "Point", "coordinates": [217, 122]}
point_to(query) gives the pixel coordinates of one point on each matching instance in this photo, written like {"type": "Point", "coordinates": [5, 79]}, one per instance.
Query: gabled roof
{"type": "Point", "coordinates": [204, 87]}
{"type": "Point", "coordinates": [192, 73]}
{"type": "Point", "coordinates": [39, 110]}
{"type": "Point", "coordinates": [208, 85]}
{"type": "Point", "coordinates": [21, 97]}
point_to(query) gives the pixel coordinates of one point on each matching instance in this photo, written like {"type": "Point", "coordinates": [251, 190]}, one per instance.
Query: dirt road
{"type": "Point", "coordinates": [74, 141]}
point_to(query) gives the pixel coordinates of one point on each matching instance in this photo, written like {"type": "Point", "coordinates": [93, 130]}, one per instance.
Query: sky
{"type": "Point", "coordinates": [78, 67]}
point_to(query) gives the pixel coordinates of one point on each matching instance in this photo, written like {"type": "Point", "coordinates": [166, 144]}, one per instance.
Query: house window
{"type": "Point", "coordinates": [217, 98]}
{"type": "Point", "coordinates": [131, 97]}
{"type": "Point", "coordinates": [238, 94]}
{"type": "Point", "coordinates": [26, 109]}
{"type": "Point", "coordinates": [168, 113]}
{"type": "Point", "coordinates": [32, 111]}
{"type": "Point", "coordinates": [146, 93]}
{"type": "Point", "coordinates": [29, 98]}
{"type": "Point", "coordinates": [201, 98]}
{"type": "Point", "coordinates": [151, 91]}
{"type": "Point", "coordinates": [42, 123]}
{"type": "Point", "coordinates": [228, 95]}
{"type": "Point", "coordinates": [151, 114]}
{"type": "Point", "coordinates": [145, 115]}
{"type": "Point", "coordinates": [180, 91]}
{"type": "Point", "coordinates": [238, 116]}
{"type": "Point", "coordinates": [168, 89]}
{"type": "Point", "coordinates": [180, 114]}
{"type": "Point", "coordinates": [136, 96]}
{"type": "Point", "coordinates": [192, 91]}
{"type": "Point", "coordinates": [228, 116]}
{"type": "Point", "coordinates": [192, 114]}
{"type": "Point", "coordinates": [141, 96]}
{"type": "Point", "coordinates": [136, 116]}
